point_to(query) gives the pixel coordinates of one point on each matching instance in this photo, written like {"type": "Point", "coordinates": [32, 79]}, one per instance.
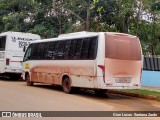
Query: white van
{"type": "Point", "coordinates": [12, 49]}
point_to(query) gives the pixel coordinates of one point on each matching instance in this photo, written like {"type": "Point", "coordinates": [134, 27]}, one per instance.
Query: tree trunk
{"type": "Point", "coordinates": [88, 20]}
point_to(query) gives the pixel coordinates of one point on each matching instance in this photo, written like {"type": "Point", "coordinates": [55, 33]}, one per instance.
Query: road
{"type": "Point", "coordinates": [16, 96]}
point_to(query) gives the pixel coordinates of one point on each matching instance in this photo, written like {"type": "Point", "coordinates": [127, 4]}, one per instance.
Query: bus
{"type": "Point", "coordinates": [89, 60]}
{"type": "Point", "coordinates": [12, 49]}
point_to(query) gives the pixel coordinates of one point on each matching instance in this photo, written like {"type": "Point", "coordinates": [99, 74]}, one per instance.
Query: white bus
{"type": "Point", "coordinates": [12, 45]}
{"type": "Point", "coordinates": [98, 61]}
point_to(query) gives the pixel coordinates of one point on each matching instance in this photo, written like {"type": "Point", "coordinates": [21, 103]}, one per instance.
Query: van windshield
{"type": "Point", "coordinates": [2, 43]}
{"type": "Point", "coordinates": [122, 47]}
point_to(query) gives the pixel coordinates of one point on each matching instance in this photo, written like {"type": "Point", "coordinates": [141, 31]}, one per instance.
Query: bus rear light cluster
{"type": "Point", "coordinates": [7, 61]}
{"type": "Point", "coordinates": [103, 70]}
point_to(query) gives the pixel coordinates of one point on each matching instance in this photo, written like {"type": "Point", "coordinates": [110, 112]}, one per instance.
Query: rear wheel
{"type": "Point", "coordinates": [28, 81]}
{"type": "Point", "coordinates": [66, 84]}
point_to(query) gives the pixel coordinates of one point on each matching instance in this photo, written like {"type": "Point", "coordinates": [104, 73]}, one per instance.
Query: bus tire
{"type": "Point", "coordinates": [66, 85]}
{"type": "Point", "coordinates": [27, 78]}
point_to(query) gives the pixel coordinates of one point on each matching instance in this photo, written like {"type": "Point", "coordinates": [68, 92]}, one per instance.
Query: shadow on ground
{"type": "Point", "coordinates": [10, 79]}
{"type": "Point", "coordinates": [85, 93]}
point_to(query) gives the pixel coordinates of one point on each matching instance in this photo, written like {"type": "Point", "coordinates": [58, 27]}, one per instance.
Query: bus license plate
{"type": "Point", "coordinates": [123, 79]}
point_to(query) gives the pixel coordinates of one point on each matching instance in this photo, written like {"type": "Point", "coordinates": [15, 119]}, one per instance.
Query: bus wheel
{"type": "Point", "coordinates": [29, 83]}
{"type": "Point", "coordinates": [66, 84]}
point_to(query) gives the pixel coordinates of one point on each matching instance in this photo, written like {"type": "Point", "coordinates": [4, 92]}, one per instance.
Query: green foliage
{"type": "Point", "coordinates": [49, 18]}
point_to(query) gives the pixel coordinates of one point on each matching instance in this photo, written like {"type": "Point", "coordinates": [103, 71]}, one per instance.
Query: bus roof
{"type": "Point", "coordinates": [80, 35]}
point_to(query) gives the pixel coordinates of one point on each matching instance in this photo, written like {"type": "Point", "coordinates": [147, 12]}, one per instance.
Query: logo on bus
{"type": "Point", "coordinates": [22, 41]}
{"type": "Point", "coordinates": [13, 39]}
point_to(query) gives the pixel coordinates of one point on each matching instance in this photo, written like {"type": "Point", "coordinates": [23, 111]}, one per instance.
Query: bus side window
{"type": "Point", "coordinates": [27, 55]}
{"type": "Point", "coordinates": [34, 52]}
{"type": "Point", "coordinates": [41, 51]}
{"type": "Point", "coordinates": [66, 49]}
{"type": "Point", "coordinates": [49, 51]}
{"type": "Point", "coordinates": [92, 48]}
{"type": "Point", "coordinates": [78, 49]}
{"type": "Point", "coordinates": [85, 48]}
{"type": "Point", "coordinates": [61, 48]}
{"type": "Point", "coordinates": [72, 49]}
{"type": "Point", "coordinates": [46, 50]}
{"type": "Point", "coordinates": [55, 50]}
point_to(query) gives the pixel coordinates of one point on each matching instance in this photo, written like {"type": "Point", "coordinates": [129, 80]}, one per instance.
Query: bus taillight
{"type": "Point", "coordinates": [7, 61]}
{"type": "Point", "coordinates": [103, 70]}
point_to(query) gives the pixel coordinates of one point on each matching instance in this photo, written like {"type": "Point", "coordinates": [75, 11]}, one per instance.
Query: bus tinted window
{"type": "Point", "coordinates": [75, 49]}
{"type": "Point", "coordinates": [49, 50]}
{"type": "Point", "coordinates": [61, 48]}
{"type": "Point", "coordinates": [122, 47]}
{"type": "Point", "coordinates": [2, 42]}
{"type": "Point", "coordinates": [85, 48]}
{"type": "Point", "coordinates": [78, 49]}
{"type": "Point", "coordinates": [35, 52]}
{"type": "Point", "coordinates": [66, 49]}
{"type": "Point", "coordinates": [41, 51]}
{"type": "Point", "coordinates": [46, 47]}
{"type": "Point", "coordinates": [92, 48]}
{"type": "Point", "coordinates": [72, 49]}
{"type": "Point", "coordinates": [55, 50]}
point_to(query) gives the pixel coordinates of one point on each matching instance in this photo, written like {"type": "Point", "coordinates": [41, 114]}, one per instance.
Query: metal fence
{"type": "Point", "coordinates": [151, 62]}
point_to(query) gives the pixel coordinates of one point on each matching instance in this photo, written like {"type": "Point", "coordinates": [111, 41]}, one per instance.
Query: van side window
{"type": "Point", "coordinates": [2, 42]}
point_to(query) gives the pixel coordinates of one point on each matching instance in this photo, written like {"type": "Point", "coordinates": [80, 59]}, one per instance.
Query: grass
{"type": "Point", "coordinates": [143, 92]}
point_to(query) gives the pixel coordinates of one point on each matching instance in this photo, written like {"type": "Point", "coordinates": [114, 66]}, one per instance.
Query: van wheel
{"type": "Point", "coordinates": [29, 83]}
{"type": "Point", "coordinates": [66, 84]}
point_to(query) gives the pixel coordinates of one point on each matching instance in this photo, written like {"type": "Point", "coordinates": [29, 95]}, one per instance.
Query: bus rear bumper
{"type": "Point", "coordinates": [18, 71]}
{"type": "Point", "coordinates": [122, 87]}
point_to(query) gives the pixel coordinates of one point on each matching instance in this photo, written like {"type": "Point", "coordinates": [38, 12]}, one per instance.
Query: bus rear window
{"type": "Point", "coordinates": [2, 42]}
{"type": "Point", "coordinates": [122, 47]}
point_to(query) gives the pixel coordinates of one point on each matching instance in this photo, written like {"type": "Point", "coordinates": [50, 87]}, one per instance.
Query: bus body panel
{"type": "Point", "coordinates": [82, 73]}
